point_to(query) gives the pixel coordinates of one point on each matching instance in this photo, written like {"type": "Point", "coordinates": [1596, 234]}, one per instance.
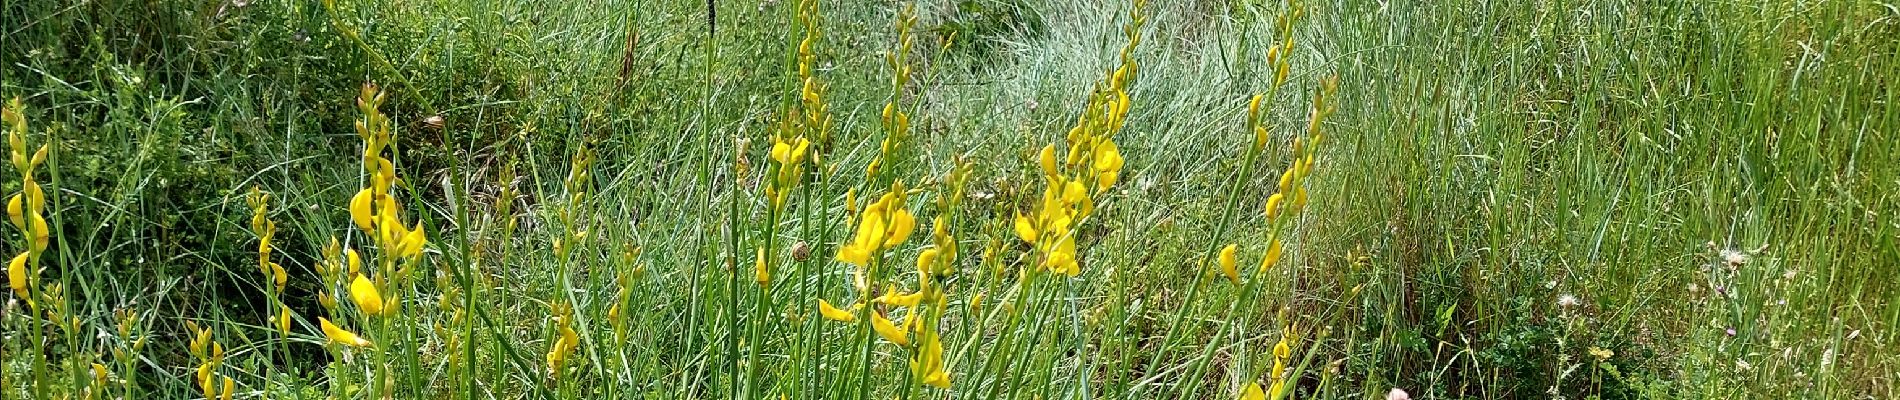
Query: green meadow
{"type": "Point", "coordinates": [950, 199]}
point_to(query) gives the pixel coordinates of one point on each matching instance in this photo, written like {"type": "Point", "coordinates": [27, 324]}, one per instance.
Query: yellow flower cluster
{"type": "Point", "coordinates": [883, 224]}
{"type": "Point", "coordinates": [266, 230]}
{"type": "Point", "coordinates": [1282, 353]}
{"type": "Point", "coordinates": [210, 355]}
{"type": "Point", "coordinates": [933, 264]}
{"type": "Point", "coordinates": [374, 209]}
{"type": "Point", "coordinates": [27, 208]}
{"type": "Point", "coordinates": [1090, 166]}
{"type": "Point", "coordinates": [813, 121]}
{"type": "Point", "coordinates": [789, 149]}
{"type": "Point", "coordinates": [566, 340]}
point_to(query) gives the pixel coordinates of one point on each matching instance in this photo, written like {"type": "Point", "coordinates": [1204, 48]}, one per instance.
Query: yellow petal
{"type": "Point", "coordinates": [35, 198]}
{"type": "Point", "coordinates": [36, 228]}
{"type": "Point", "coordinates": [283, 319]}
{"type": "Point", "coordinates": [782, 153]}
{"type": "Point", "coordinates": [1273, 256]}
{"type": "Point", "coordinates": [570, 338]}
{"type": "Point", "coordinates": [99, 373]}
{"type": "Point", "coordinates": [1253, 392]}
{"type": "Point", "coordinates": [926, 261]}
{"type": "Point", "coordinates": [1227, 262]}
{"type": "Point", "coordinates": [413, 242]}
{"type": "Point", "coordinates": [16, 275]}
{"type": "Point", "coordinates": [892, 297]}
{"type": "Point", "coordinates": [902, 225]}
{"type": "Point", "coordinates": [1108, 158]}
{"type": "Point", "coordinates": [1074, 192]}
{"type": "Point", "coordinates": [360, 211]}
{"type": "Point", "coordinates": [556, 355]}
{"type": "Point", "coordinates": [1286, 181]}
{"type": "Point", "coordinates": [1047, 159]}
{"type": "Point", "coordinates": [833, 313]}
{"type": "Point", "coordinates": [355, 261]}
{"type": "Point", "coordinates": [279, 276]}
{"type": "Point", "coordinates": [1025, 229]}
{"type": "Point", "coordinates": [888, 330]}
{"type": "Point", "coordinates": [1273, 205]}
{"type": "Point", "coordinates": [854, 255]}
{"type": "Point", "coordinates": [940, 379]}
{"type": "Point", "coordinates": [15, 212]}
{"type": "Point", "coordinates": [340, 336]}
{"type": "Point", "coordinates": [364, 293]}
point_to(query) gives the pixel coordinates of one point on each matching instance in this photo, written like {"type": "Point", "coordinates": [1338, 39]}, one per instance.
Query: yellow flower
{"type": "Point", "coordinates": [927, 260]}
{"type": "Point", "coordinates": [1047, 159]}
{"type": "Point", "coordinates": [360, 210]}
{"type": "Point", "coordinates": [1253, 392]}
{"type": "Point", "coordinates": [557, 355]}
{"type": "Point", "coordinates": [340, 336]}
{"type": "Point", "coordinates": [835, 314]}
{"type": "Point", "coordinates": [36, 229]}
{"type": "Point", "coordinates": [1062, 257]}
{"type": "Point", "coordinates": [1274, 250]}
{"type": "Point", "coordinates": [204, 381]}
{"type": "Point", "coordinates": [1273, 205]}
{"type": "Point", "coordinates": [888, 330]}
{"type": "Point", "coordinates": [928, 364]}
{"type": "Point", "coordinates": [99, 375]}
{"type": "Point", "coordinates": [1025, 229]}
{"type": "Point", "coordinates": [15, 211]}
{"type": "Point", "coordinates": [883, 225]}
{"type": "Point", "coordinates": [1286, 180]}
{"type": "Point", "coordinates": [1227, 262]}
{"type": "Point", "coordinates": [412, 242]}
{"type": "Point", "coordinates": [364, 293]}
{"type": "Point", "coordinates": [16, 275]}
{"type": "Point", "coordinates": [787, 153]}
{"type": "Point", "coordinates": [1108, 165]}
{"type": "Point", "coordinates": [230, 386]}
{"type": "Point", "coordinates": [279, 276]}
{"type": "Point", "coordinates": [283, 319]}
{"type": "Point", "coordinates": [355, 261]}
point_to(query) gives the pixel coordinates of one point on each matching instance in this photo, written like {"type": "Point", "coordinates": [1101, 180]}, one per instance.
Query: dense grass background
{"type": "Point", "coordinates": [1488, 159]}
